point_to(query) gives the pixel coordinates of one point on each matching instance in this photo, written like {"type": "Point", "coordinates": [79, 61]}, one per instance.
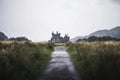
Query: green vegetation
{"type": "Point", "coordinates": [94, 38]}
{"type": "Point", "coordinates": [23, 61]}
{"type": "Point", "coordinates": [96, 60]}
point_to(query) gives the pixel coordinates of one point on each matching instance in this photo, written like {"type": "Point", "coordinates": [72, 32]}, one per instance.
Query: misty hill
{"type": "Point", "coordinates": [78, 37]}
{"type": "Point", "coordinates": [100, 33]}
{"type": "Point", "coordinates": [3, 36]}
{"type": "Point", "coordinates": [114, 33]}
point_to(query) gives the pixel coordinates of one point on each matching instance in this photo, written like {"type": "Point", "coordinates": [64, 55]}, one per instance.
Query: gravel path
{"type": "Point", "coordinates": [60, 66]}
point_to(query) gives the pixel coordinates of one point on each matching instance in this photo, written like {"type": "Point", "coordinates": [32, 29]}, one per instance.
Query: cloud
{"type": "Point", "coordinates": [116, 1]}
{"type": "Point", "coordinates": [108, 1]}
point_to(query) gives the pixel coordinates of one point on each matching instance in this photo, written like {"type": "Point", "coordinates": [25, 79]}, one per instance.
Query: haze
{"type": "Point", "coordinates": [37, 19]}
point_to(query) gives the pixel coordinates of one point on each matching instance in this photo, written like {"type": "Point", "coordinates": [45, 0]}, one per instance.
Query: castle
{"type": "Point", "coordinates": [57, 38]}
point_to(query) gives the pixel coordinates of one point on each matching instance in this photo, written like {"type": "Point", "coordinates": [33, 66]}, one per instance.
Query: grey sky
{"type": "Point", "coordinates": [36, 19]}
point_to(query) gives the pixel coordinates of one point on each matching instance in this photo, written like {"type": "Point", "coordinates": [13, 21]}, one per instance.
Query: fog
{"type": "Point", "coordinates": [37, 19]}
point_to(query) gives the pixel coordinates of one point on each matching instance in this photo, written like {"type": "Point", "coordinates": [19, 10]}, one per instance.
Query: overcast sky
{"type": "Point", "coordinates": [36, 19]}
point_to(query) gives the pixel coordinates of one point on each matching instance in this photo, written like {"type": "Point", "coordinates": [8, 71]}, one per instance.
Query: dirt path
{"type": "Point", "coordinates": [60, 66]}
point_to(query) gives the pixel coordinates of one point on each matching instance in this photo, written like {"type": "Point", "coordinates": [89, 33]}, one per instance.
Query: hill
{"type": "Point", "coordinates": [78, 37]}
{"type": "Point", "coordinates": [114, 33]}
{"type": "Point", "coordinates": [3, 36]}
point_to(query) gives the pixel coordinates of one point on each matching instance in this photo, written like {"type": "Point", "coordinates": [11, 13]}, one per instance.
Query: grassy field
{"type": "Point", "coordinates": [96, 60]}
{"type": "Point", "coordinates": [23, 60]}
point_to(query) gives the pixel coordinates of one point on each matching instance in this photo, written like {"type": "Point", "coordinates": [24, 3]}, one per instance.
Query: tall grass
{"type": "Point", "coordinates": [23, 61]}
{"type": "Point", "coordinates": [96, 60]}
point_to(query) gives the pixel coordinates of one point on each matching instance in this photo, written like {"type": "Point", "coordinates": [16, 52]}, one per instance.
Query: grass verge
{"type": "Point", "coordinates": [96, 60]}
{"type": "Point", "coordinates": [23, 61]}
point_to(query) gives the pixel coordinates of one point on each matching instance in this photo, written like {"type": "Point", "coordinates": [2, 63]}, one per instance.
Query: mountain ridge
{"type": "Point", "coordinates": [114, 33]}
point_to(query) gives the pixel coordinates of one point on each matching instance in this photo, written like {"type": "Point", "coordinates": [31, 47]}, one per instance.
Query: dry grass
{"type": "Point", "coordinates": [96, 60]}
{"type": "Point", "coordinates": [23, 60]}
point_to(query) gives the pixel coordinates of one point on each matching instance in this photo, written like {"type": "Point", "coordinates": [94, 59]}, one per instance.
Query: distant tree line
{"type": "Point", "coordinates": [19, 39]}
{"type": "Point", "coordinates": [94, 38]}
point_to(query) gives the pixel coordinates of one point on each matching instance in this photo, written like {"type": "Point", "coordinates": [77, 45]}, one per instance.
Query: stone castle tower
{"type": "Point", "coordinates": [57, 38]}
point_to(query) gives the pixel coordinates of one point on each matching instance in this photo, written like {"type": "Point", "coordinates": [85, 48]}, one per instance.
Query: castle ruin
{"type": "Point", "coordinates": [58, 39]}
